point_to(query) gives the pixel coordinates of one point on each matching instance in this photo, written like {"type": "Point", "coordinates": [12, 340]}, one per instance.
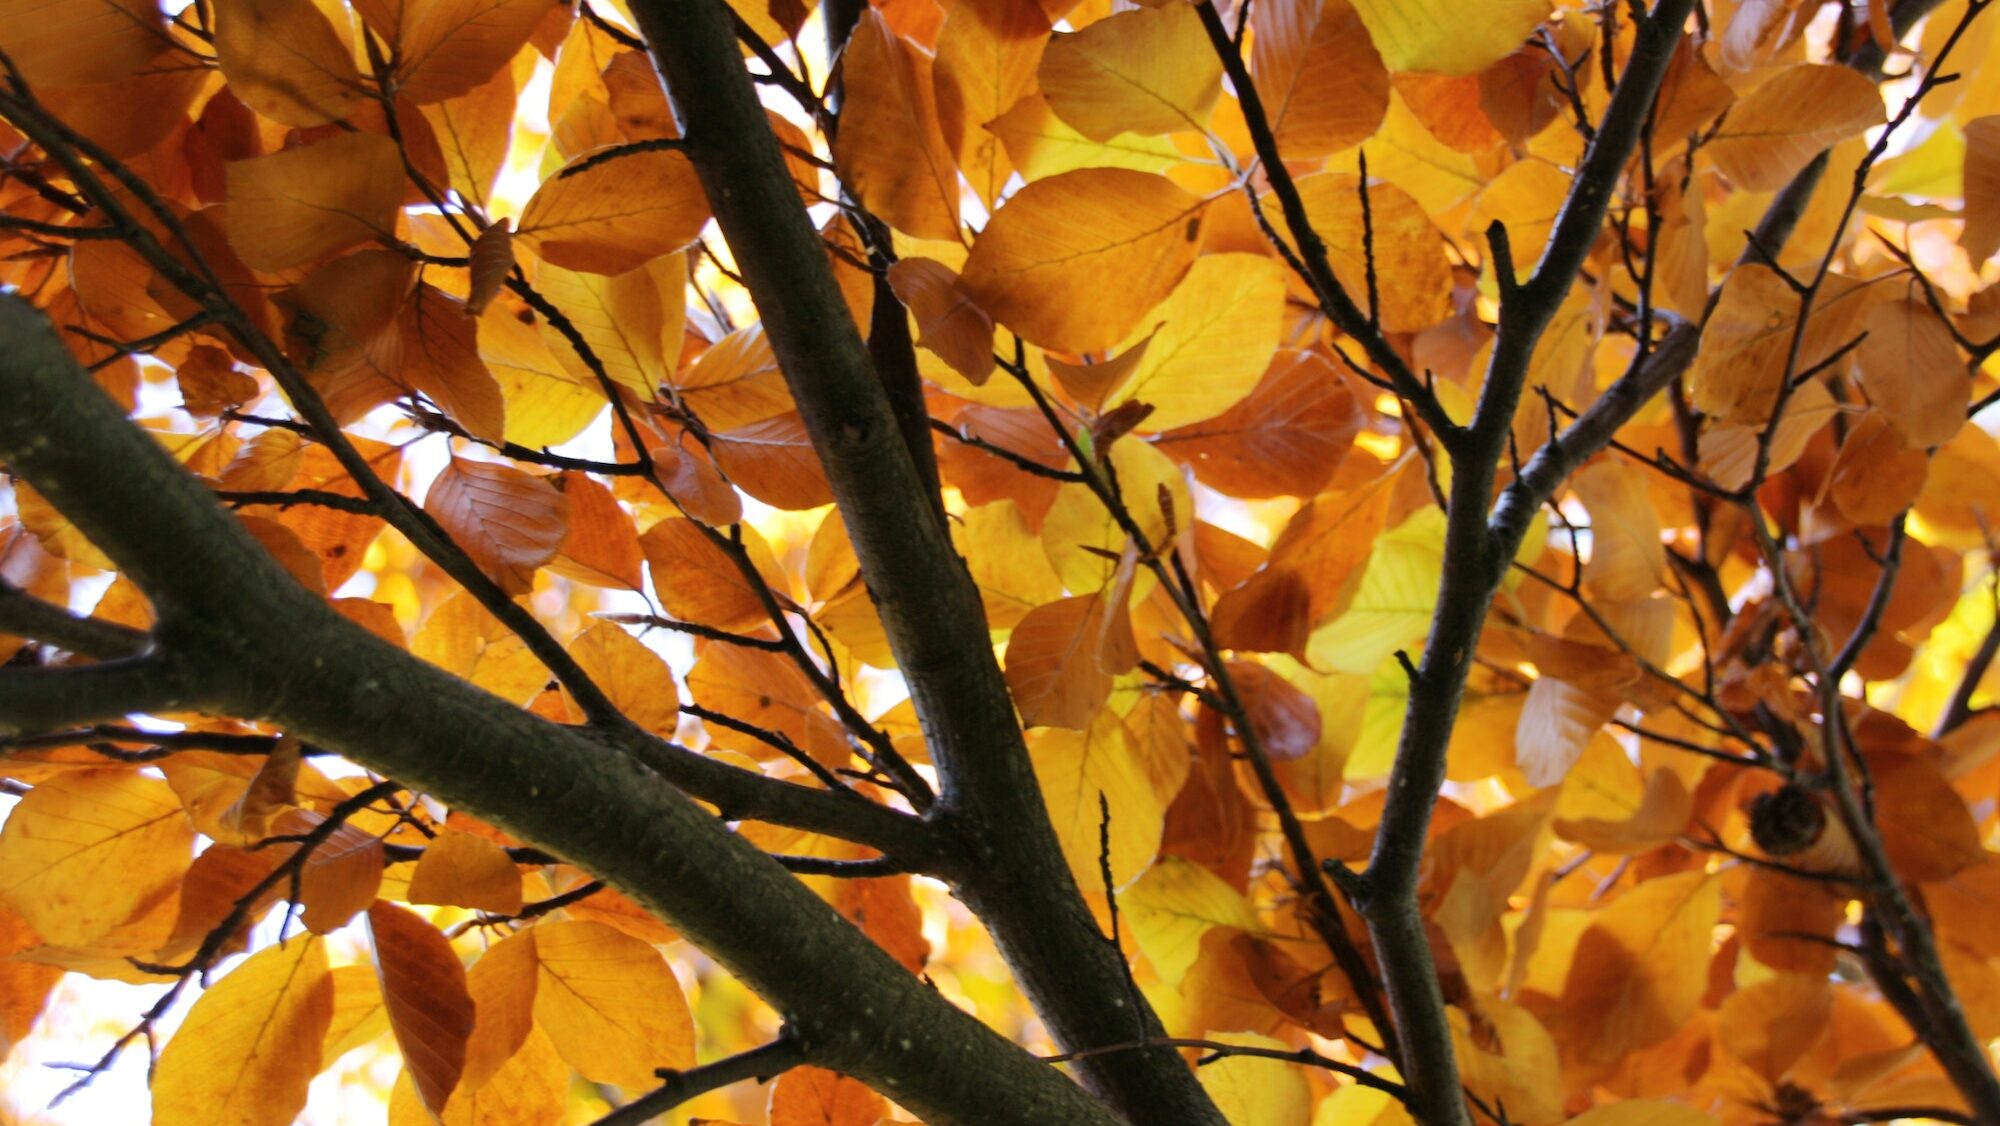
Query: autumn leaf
{"type": "Point", "coordinates": [1788, 118]}
{"type": "Point", "coordinates": [1145, 71]}
{"type": "Point", "coordinates": [465, 870]}
{"type": "Point", "coordinates": [813, 1096]}
{"type": "Point", "coordinates": [444, 48]}
{"type": "Point", "coordinates": [1072, 262]}
{"type": "Point", "coordinates": [1322, 83]}
{"type": "Point", "coordinates": [423, 989]}
{"type": "Point", "coordinates": [302, 204]}
{"type": "Point", "coordinates": [890, 127]}
{"type": "Point", "coordinates": [610, 1004]}
{"type": "Point", "coordinates": [251, 1043]}
{"type": "Point", "coordinates": [284, 59]}
{"type": "Point", "coordinates": [508, 521]}
{"type": "Point", "coordinates": [613, 211]}
{"type": "Point", "coordinates": [86, 851]}
{"type": "Point", "coordinates": [1429, 36]}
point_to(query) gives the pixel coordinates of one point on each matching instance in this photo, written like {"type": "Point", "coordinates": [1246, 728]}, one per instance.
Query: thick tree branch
{"type": "Point", "coordinates": [268, 649]}
{"type": "Point", "coordinates": [34, 699]}
{"type": "Point", "coordinates": [1014, 875]}
{"type": "Point", "coordinates": [24, 615]}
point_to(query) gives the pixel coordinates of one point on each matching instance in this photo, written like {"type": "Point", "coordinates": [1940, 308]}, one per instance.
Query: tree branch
{"type": "Point", "coordinates": [24, 615]}
{"type": "Point", "coordinates": [776, 1058]}
{"type": "Point", "coordinates": [1013, 875]}
{"type": "Point", "coordinates": [266, 648]}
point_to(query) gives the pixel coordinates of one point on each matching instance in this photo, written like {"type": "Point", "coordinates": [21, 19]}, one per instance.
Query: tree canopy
{"type": "Point", "coordinates": [1274, 563]}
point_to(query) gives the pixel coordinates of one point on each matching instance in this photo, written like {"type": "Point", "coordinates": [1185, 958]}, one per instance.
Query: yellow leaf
{"type": "Point", "coordinates": [1777, 128]}
{"type": "Point", "coordinates": [423, 989]}
{"type": "Point", "coordinates": [1391, 610]}
{"type": "Point", "coordinates": [1076, 769]}
{"type": "Point", "coordinates": [1911, 368]}
{"type": "Point", "coordinates": [1355, 1105]}
{"type": "Point", "coordinates": [1639, 971]}
{"type": "Point", "coordinates": [1510, 1061]}
{"type": "Point", "coordinates": [1728, 450]}
{"type": "Point", "coordinates": [1173, 905]}
{"type": "Point", "coordinates": [1073, 262]}
{"type": "Point", "coordinates": [473, 132]}
{"type": "Point", "coordinates": [283, 58]}
{"type": "Point", "coordinates": [1006, 560]}
{"type": "Point", "coordinates": [250, 1044]}
{"type": "Point", "coordinates": [890, 149]}
{"type": "Point", "coordinates": [633, 676]}
{"type": "Point", "coordinates": [1217, 332]}
{"type": "Point", "coordinates": [1322, 84]}
{"type": "Point", "coordinates": [987, 55]}
{"type": "Point", "coordinates": [1253, 1091]}
{"type": "Point", "coordinates": [1413, 277]}
{"type": "Point", "coordinates": [464, 870]}
{"type": "Point", "coordinates": [301, 204]}
{"type": "Point", "coordinates": [814, 1096]}
{"type": "Point", "coordinates": [508, 521]}
{"type": "Point", "coordinates": [1626, 559]}
{"type": "Point", "coordinates": [503, 984]}
{"type": "Point", "coordinates": [443, 48]}
{"type": "Point", "coordinates": [1040, 144]}
{"type": "Point", "coordinates": [358, 1015]}
{"type": "Point", "coordinates": [546, 404]}
{"type": "Point", "coordinates": [465, 640]}
{"type": "Point", "coordinates": [1435, 36]}
{"type": "Point", "coordinates": [88, 850]}
{"type": "Point", "coordinates": [269, 793]}
{"type": "Point", "coordinates": [1145, 70]}
{"type": "Point", "coordinates": [1078, 522]}
{"type": "Point", "coordinates": [74, 42]}
{"type": "Point", "coordinates": [620, 317]}
{"type": "Point", "coordinates": [610, 1004]}
{"type": "Point", "coordinates": [614, 211]}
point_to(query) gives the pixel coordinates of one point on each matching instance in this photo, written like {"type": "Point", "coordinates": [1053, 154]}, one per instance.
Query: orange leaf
{"type": "Point", "coordinates": [508, 521]}
{"type": "Point", "coordinates": [1284, 718]}
{"type": "Point", "coordinates": [1322, 84]}
{"type": "Point", "coordinates": [340, 877]}
{"type": "Point", "coordinates": [696, 581]}
{"type": "Point", "coordinates": [812, 1096]}
{"type": "Point", "coordinates": [602, 548]}
{"type": "Point", "coordinates": [1073, 262]}
{"type": "Point", "coordinates": [1912, 371]}
{"type": "Point", "coordinates": [1782, 124]}
{"type": "Point", "coordinates": [886, 912]}
{"type": "Point", "coordinates": [1286, 439]}
{"type": "Point", "coordinates": [70, 43]}
{"type": "Point", "coordinates": [610, 1004]}
{"type": "Point", "coordinates": [502, 984]}
{"type": "Point", "coordinates": [1056, 659]}
{"type": "Point", "coordinates": [890, 149]}
{"type": "Point", "coordinates": [614, 212]}
{"type": "Point", "coordinates": [292, 207]}
{"type": "Point", "coordinates": [492, 260]}
{"type": "Point", "coordinates": [250, 1044]}
{"type": "Point", "coordinates": [444, 48]}
{"type": "Point", "coordinates": [464, 870]}
{"type": "Point", "coordinates": [1981, 188]}
{"type": "Point", "coordinates": [284, 60]}
{"type": "Point", "coordinates": [986, 59]}
{"type": "Point", "coordinates": [634, 677]}
{"type": "Point", "coordinates": [1640, 970]}
{"type": "Point", "coordinates": [441, 360]}
{"type": "Point", "coordinates": [948, 323]}
{"type": "Point", "coordinates": [774, 461]}
{"type": "Point", "coordinates": [423, 988]}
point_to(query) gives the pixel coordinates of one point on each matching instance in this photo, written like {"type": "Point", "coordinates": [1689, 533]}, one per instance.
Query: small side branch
{"type": "Point", "coordinates": [24, 615]}
{"type": "Point", "coordinates": [773, 1059]}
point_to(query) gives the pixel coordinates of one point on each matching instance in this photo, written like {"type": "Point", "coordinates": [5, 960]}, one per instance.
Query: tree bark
{"type": "Point", "coordinates": [239, 636]}
{"type": "Point", "coordinates": [1014, 876]}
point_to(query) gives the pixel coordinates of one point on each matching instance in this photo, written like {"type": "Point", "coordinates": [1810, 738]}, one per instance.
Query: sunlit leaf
{"type": "Point", "coordinates": [1073, 262]}
{"type": "Point", "coordinates": [610, 1004]}
{"type": "Point", "coordinates": [1145, 70]}
{"type": "Point", "coordinates": [251, 1042]}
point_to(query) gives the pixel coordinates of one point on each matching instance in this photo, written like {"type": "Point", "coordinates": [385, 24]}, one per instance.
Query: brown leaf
{"type": "Point", "coordinates": [423, 988]}
{"type": "Point", "coordinates": [509, 522]}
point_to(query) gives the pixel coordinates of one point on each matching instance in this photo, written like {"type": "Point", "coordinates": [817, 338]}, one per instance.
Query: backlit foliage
{"type": "Point", "coordinates": [1716, 842]}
